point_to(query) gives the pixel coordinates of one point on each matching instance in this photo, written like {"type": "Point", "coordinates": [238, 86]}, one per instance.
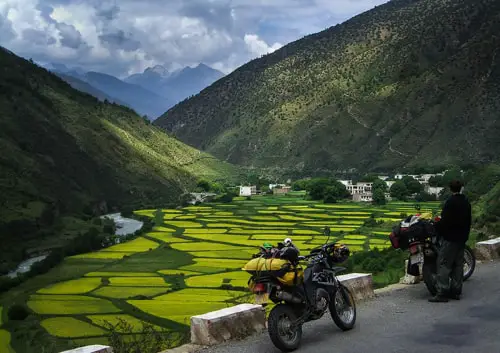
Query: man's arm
{"type": "Point", "coordinates": [446, 217]}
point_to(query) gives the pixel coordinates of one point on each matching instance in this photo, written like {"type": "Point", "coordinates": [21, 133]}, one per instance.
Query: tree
{"type": "Point", "coordinates": [320, 188]}
{"type": "Point", "coordinates": [204, 185]}
{"type": "Point", "coordinates": [399, 190]}
{"type": "Point", "coordinates": [412, 185]}
{"type": "Point", "coordinates": [379, 197]}
{"type": "Point", "coordinates": [379, 184]}
{"type": "Point", "coordinates": [300, 185]}
{"type": "Point", "coordinates": [436, 180]}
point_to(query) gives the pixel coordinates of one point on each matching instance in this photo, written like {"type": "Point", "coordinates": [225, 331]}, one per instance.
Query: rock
{"type": "Point", "coordinates": [236, 322]}
{"type": "Point", "coordinates": [488, 249]}
{"type": "Point", "coordinates": [96, 348]}
{"type": "Point", "coordinates": [360, 284]}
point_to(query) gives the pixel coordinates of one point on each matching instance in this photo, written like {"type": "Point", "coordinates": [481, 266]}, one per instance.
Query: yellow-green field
{"type": "Point", "coordinates": [191, 263]}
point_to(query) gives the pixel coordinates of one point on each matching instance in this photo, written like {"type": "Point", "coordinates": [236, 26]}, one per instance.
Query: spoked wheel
{"type": "Point", "coordinates": [343, 308]}
{"type": "Point", "coordinates": [469, 263]}
{"type": "Point", "coordinates": [284, 334]}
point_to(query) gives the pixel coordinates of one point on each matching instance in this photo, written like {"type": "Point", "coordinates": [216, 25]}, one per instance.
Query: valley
{"type": "Point", "coordinates": [408, 83]}
{"type": "Point", "coordinates": [129, 204]}
{"type": "Point", "coordinates": [192, 254]}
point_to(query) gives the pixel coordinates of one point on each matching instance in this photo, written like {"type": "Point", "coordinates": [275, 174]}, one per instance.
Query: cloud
{"type": "Point", "coordinates": [258, 47]}
{"type": "Point", "coordinates": [38, 37]}
{"type": "Point", "coordinates": [126, 36]}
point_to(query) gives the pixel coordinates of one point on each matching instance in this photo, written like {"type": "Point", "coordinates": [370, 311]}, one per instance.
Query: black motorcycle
{"type": "Point", "coordinates": [301, 295]}
{"type": "Point", "coordinates": [423, 243]}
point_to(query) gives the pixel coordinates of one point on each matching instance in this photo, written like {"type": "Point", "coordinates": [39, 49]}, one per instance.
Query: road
{"type": "Point", "coordinates": [404, 321]}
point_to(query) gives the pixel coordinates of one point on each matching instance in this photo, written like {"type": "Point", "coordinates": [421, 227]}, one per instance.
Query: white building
{"type": "Point", "coordinates": [389, 183]}
{"type": "Point", "coordinates": [358, 188]}
{"type": "Point", "coordinates": [383, 177]}
{"type": "Point", "coordinates": [248, 190]}
{"type": "Point", "coordinates": [434, 190]}
{"type": "Point", "coordinates": [364, 197]}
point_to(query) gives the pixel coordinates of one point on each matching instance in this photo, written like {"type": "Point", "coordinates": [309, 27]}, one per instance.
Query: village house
{"type": "Point", "coordinates": [283, 190]}
{"type": "Point", "coordinates": [434, 190]}
{"type": "Point", "coordinates": [248, 190]}
{"type": "Point", "coordinates": [362, 197]}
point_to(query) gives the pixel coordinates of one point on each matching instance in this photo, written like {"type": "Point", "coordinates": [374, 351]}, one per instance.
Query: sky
{"type": "Point", "coordinates": [122, 37]}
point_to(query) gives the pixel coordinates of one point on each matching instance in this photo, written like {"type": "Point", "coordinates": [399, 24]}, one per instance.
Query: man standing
{"type": "Point", "coordinates": [453, 229]}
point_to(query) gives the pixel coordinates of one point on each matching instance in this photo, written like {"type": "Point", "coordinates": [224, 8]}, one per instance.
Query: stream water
{"type": "Point", "coordinates": [124, 226]}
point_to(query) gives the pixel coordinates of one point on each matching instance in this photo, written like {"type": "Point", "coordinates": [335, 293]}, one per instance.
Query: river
{"type": "Point", "coordinates": [25, 266]}
{"type": "Point", "coordinates": [124, 226]}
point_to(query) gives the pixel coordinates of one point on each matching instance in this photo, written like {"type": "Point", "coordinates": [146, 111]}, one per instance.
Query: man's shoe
{"type": "Point", "coordinates": [438, 299]}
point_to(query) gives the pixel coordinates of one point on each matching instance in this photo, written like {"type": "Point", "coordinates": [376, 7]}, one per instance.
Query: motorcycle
{"type": "Point", "coordinates": [423, 244]}
{"type": "Point", "coordinates": [301, 294]}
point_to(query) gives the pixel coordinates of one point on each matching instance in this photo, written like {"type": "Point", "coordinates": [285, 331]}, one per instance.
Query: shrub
{"type": "Point", "coordinates": [17, 312]}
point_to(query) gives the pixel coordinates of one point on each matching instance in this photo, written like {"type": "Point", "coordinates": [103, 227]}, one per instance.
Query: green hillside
{"type": "Point", "coordinates": [64, 153]}
{"type": "Point", "coordinates": [409, 83]}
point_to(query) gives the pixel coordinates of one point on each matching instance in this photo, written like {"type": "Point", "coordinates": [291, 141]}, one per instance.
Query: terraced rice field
{"type": "Point", "coordinates": [191, 263]}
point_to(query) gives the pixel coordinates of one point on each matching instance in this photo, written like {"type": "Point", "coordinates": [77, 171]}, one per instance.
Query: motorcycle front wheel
{"type": "Point", "coordinates": [285, 335]}
{"type": "Point", "coordinates": [343, 308]}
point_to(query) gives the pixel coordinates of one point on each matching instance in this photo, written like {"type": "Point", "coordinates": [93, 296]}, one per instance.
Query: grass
{"type": "Point", "coordinates": [198, 294]}
{"type": "Point", "coordinates": [105, 320]}
{"type": "Point", "coordinates": [137, 282]}
{"type": "Point", "coordinates": [123, 292]}
{"type": "Point", "coordinates": [137, 245]}
{"type": "Point", "coordinates": [189, 264]}
{"type": "Point", "coordinates": [70, 327]}
{"type": "Point", "coordinates": [75, 286]}
{"type": "Point", "coordinates": [5, 342]}
{"type": "Point", "coordinates": [71, 306]}
{"type": "Point", "coordinates": [175, 311]}
{"type": "Point", "coordinates": [235, 279]}
{"type": "Point", "coordinates": [1, 312]}
{"type": "Point", "coordinates": [121, 274]}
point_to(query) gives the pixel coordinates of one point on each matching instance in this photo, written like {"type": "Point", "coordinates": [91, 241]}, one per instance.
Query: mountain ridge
{"type": "Point", "coordinates": [404, 66]}
{"type": "Point", "coordinates": [65, 153]}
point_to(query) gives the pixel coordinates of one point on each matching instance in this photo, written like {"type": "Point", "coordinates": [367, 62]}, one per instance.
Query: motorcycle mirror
{"type": "Point", "coordinates": [326, 231]}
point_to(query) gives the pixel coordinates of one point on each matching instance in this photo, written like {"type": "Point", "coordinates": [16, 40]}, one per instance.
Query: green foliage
{"type": "Point", "coordinates": [421, 75]}
{"type": "Point", "coordinates": [64, 153]}
{"type": "Point", "coordinates": [17, 312]}
{"type": "Point", "coordinates": [329, 190]}
{"type": "Point", "coordinates": [379, 184]}
{"type": "Point", "coordinates": [379, 197]}
{"type": "Point", "coordinates": [412, 185]}
{"type": "Point", "coordinates": [399, 190]}
{"type": "Point", "coordinates": [125, 338]}
{"type": "Point", "coordinates": [388, 262]}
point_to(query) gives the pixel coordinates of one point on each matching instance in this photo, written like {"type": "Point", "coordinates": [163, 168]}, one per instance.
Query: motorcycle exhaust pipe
{"type": "Point", "coordinates": [288, 297]}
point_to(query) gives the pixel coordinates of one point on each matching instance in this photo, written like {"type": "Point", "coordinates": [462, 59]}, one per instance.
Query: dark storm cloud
{"type": "Point", "coordinates": [38, 37]}
{"type": "Point", "coordinates": [6, 31]}
{"type": "Point", "coordinates": [119, 40]}
{"type": "Point", "coordinates": [69, 36]}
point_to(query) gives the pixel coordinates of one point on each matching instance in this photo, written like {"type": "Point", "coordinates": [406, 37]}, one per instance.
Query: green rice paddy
{"type": "Point", "coordinates": [191, 263]}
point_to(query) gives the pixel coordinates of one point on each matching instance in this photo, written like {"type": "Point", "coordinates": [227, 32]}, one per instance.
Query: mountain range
{"type": "Point", "coordinates": [150, 93]}
{"type": "Point", "coordinates": [66, 152]}
{"type": "Point", "coordinates": [408, 83]}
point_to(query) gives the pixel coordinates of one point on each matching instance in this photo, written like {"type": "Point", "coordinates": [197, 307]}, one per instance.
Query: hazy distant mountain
{"type": "Point", "coordinates": [176, 85]}
{"type": "Point", "coordinates": [150, 93]}
{"type": "Point", "coordinates": [85, 87]}
{"type": "Point", "coordinates": [143, 101]}
{"type": "Point", "coordinates": [103, 86]}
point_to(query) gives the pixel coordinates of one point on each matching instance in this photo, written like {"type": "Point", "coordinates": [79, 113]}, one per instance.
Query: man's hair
{"type": "Point", "coordinates": [456, 186]}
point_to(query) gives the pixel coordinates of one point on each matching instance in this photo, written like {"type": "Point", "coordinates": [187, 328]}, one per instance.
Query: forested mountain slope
{"type": "Point", "coordinates": [411, 82]}
{"type": "Point", "coordinates": [66, 153]}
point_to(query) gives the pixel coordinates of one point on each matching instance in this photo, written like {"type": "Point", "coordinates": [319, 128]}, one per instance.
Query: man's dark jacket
{"type": "Point", "coordinates": [456, 219]}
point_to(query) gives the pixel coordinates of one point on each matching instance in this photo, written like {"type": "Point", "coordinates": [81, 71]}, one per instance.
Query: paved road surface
{"type": "Point", "coordinates": [403, 321]}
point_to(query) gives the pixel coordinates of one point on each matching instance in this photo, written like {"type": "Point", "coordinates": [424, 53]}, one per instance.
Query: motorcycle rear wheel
{"type": "Point", "coordinates": [343, 311]}
{"type": "Point", "coordinates": [284, 335]}
{"type": "Point", "coordinates": [469, 263]}
{"type": "Point", "coordinates": [429, 272]}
